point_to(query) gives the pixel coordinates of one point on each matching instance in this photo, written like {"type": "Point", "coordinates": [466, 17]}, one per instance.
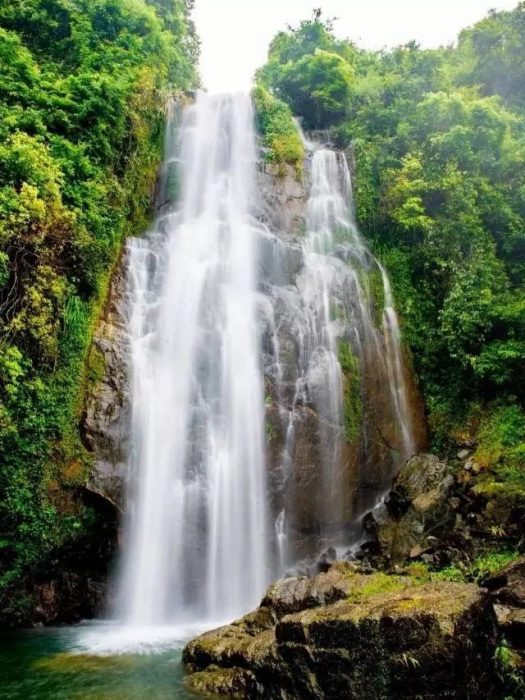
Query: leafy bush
{"type": "Point", "coordinates": [279, 132]}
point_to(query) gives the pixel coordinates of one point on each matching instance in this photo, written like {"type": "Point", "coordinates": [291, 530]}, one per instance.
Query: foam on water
{"type": "Point", "coordinates": [113, 639]}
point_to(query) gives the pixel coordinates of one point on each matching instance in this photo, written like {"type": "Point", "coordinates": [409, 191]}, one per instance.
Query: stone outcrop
{"type": "Point", "coordinates": [417, 507]}
{"type": "Point", "coordinates": [107, 410]}
{"type": "Point", "coordinates": [347, 635]}
{"type": "Point", "coordinates": [68, 598]}
{"type": "Point", "coordinates": [507, 589]}
{"type": "Point", "coordinates": [282, 200]}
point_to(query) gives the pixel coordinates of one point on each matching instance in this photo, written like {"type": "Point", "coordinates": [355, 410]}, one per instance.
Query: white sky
{"type": "Point", "coordinates": [235, 34]}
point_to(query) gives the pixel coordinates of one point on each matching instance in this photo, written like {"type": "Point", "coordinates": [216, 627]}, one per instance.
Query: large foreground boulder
{"type": "Point", "coordinates": [347, 635]}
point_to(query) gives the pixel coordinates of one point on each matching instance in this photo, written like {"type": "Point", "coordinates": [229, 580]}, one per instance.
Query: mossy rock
{"type": "Point", "coordinates": [418, 506]}
{"type": "Point", "coordinates": [233, 682]}
{"type": "Point", "coordinates": [383, 637]}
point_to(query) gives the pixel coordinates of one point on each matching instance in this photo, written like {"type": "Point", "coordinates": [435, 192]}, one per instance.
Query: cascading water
{"type": "Point", "coordinates": [324, 316]}
{"type": "Point", "coordinates": [196, 541]}
{"type": "Point", "coordinates": [395, 366]}
{"type": "Point", "coordinates": [331, 224]}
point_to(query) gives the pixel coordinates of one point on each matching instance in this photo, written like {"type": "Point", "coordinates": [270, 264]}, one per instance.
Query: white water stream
{"type": "Point", "coordinates": [196, 542]}
{"type": "Point", "coordinates": [334, 306]}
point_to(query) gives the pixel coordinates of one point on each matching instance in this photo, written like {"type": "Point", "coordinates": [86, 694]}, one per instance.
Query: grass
{"type": "Point", "coordinates": [378, 583]}
{"type": "Point", "coordinates": [484, 565]}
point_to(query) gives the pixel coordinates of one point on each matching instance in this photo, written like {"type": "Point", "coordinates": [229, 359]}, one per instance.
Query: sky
{"type": "Point", "coordinates": [235, 34]}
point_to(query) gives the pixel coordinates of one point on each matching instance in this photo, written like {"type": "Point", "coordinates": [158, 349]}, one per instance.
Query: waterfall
{"type": "Point", "coordinates": [339, 351]}
{"type": "Point", "coordinates": [196, 536]}
{"type": "Point", "coordinates": [222, 305]}
{"type": "Point", "coordinates": [395, 366]}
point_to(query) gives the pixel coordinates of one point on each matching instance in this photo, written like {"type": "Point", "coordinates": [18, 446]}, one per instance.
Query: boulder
{"type": "Point", "coordinates": [418, 506]}
{"type": "Point", "coordinates": [507, 589]}
{"type": "Point", "coordinates": [292, 595]}
{"type": "Point", "coordinates": [511, 622]}
{"type": "Point", "coordinates": [507, 586]}
{"type": "Point", "coordinates": [326, 560]}
{"type": "Point", "coordinates": [347, 635]}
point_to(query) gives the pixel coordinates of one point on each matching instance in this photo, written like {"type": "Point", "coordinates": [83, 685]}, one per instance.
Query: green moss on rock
{"type": "Point", "coordinates": [232, 682]}
{"type": "Point", "coordinates": [377, 293]}
{"type": "Point", "coordinates": [352, 403]}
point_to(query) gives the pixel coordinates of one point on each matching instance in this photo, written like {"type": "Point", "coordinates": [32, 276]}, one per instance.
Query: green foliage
{"type": "Point", "coordinates": [352, 403]}
{"type": "Point", "coordinates": [509, 669]}
{"type": "Point", "coordinates": [377, 291]}
{"type": "Point", "coordinates": [280, 135]}
{"type": "Point", "coordinates": [305, 69]}
{"type": "Point", "coordinates": [271, 431]}
{"type": "Point", "coordinates": [319, 87]}
{"type": "Point", "coordinates": [502, 438]}
{"type": "Point", "coordinates": [82, 92]}
{"type": "Point", "coordinates": [380, 583]}
{"type": "Point", "coordinates": [501, 451]}
{"type": "Point", "coordinates": [492, 54]}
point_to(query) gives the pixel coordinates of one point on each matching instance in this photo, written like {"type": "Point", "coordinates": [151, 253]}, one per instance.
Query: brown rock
{"type": "Point", "coordinates": [417, 507]}
{"type": "Point", "coordinates": [387, 636]}
{"type": "Point", "coordinates": [507, 586]}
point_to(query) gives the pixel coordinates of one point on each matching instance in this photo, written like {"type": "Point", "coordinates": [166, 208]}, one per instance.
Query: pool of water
{"type": "Point", "coordinates": [86, 662]}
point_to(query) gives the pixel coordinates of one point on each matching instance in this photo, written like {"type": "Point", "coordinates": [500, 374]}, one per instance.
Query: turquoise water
{"type": "Point", "coordinates": [39, 665]}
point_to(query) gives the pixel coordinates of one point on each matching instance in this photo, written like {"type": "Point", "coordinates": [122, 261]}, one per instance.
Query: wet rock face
{"type": "Point", "coordinates": [347, 635]}
{"type": "Point", "coordinates": [282, 200]}
{"type": "Point", "coordinates": [68, 598]}
{"type": "Point", "coordinates": [107, 409]}
{"type": "Point", "coordinates": [335, 439]}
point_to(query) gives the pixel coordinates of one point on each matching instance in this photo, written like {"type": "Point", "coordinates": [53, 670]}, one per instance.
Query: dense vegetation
{"type": "Point", "coordinates": [83, 84]}
{"type": "Point", "coordinates": [280, 135]}
{"type": "Point", "coordinates": [438, 138]}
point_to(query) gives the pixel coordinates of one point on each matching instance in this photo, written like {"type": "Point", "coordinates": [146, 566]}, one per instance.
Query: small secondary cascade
{"type": "Point", "coordinates": [395, 367]}
{"type": "Point", "coordinates": [196, 544]}
{"type": "Point", "coordinates": [331, 225]}
{"type": "Point", "coordinates": [326, 330]}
